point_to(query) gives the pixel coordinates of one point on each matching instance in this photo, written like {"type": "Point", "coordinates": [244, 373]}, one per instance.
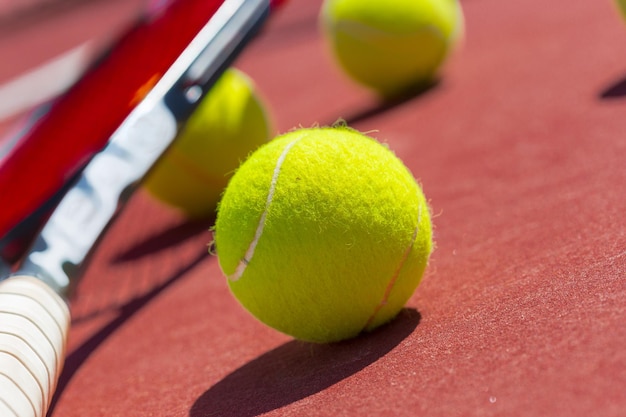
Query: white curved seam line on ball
{"type": "Point", "coordinates": [396, 274]}
{"type": "Point", "coordinates": [243, 264]}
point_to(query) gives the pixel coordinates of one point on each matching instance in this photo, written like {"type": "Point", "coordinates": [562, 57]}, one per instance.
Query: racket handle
{"type": "Point", "coordinates": [34, 322]}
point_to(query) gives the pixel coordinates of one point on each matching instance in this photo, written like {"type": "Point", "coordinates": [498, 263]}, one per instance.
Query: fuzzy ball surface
{"type": "Point", "coordinates": [323, 233]}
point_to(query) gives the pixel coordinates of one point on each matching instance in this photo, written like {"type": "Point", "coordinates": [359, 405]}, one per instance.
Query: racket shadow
{"type": "Point", "coordinates": [296, 370]}
{"type": "Point", "coordinates": [165, 239]}
{"type": "Point", "coordinates": [76, 358]}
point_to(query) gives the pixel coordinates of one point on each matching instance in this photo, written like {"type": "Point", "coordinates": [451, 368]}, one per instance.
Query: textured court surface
{"type": "Point", "coordinates": [521, 150]}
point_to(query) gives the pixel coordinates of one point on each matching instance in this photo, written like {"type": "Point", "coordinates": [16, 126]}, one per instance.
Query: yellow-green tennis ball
{"type": "Point", "coordinates": [230, 123]}
{"type": "Point", "coordinates": [323, 233]}
{"type": "Point", "coordinates": [621, 6]}
{"type": "Point", "coordinates": [394, 45]}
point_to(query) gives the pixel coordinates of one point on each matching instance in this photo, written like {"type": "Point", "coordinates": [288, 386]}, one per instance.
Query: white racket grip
{"type": "Point", "coordinates": [34, 322]}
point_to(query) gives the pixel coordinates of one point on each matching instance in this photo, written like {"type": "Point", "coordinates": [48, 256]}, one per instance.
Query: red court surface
{"type": "Point", "coordinates": [521, 151]}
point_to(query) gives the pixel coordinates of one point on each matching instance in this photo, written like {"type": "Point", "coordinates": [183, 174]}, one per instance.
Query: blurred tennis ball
{"type": "Point", "coordinates": [395, 45]}
{"type": "Point", "coordinates": [230, 122]}
{"type": "Point", "coordinates": [621, 6]}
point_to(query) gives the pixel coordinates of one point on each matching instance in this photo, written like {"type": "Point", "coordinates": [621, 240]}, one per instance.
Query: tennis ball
{"type": "Point", "coordinates": [229, 123]}
{"type": "Point", "coordinates": [323, 233]}
{"type": "Point", "coordinates": [621, 7]}
{"type": "Point", "coordinates": [392, 46]}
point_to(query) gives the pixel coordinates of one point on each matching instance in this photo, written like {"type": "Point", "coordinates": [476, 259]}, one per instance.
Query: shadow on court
{"type": "Point", "coordinates": [165, 239]}
{"type": "Point", "coordinates": [384, 105]}
{"type": "Point", "coordinates": [125, 311]}
{"type": "Point", "coordinates": [616, 90]}
{"type": "Point", "coordinates": [296, 370]}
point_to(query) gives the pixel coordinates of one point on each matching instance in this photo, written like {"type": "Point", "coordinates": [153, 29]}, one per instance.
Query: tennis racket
{"type": "Point", "coordinates": [145, 118]}
{"type": "Point", "coordinates": [64, 135]}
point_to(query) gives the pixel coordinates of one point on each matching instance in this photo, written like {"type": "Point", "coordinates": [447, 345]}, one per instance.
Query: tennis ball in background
{"type": "Point", "coordinates": [621, 6]}
{"type": "Point", "coordinates": [323, 233]}
{"type": "Point", "coordinates": [230, 122]}
{"type": "Point", "coordinates": [392, 46]}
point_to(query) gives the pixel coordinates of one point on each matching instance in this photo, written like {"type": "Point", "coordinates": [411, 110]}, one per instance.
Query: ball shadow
{"type": "Point", "coordinates": [616, 90]}
{"type": "Point", "coordinates": [296, 370]}
{"type": "Point", "coordinates": [385, 104]}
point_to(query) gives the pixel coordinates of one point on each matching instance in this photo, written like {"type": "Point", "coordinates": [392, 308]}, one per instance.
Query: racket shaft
{"type": "Point", "coordinates": [59, 143]}
{"type": "Point", "coordinates": [32, 310]}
